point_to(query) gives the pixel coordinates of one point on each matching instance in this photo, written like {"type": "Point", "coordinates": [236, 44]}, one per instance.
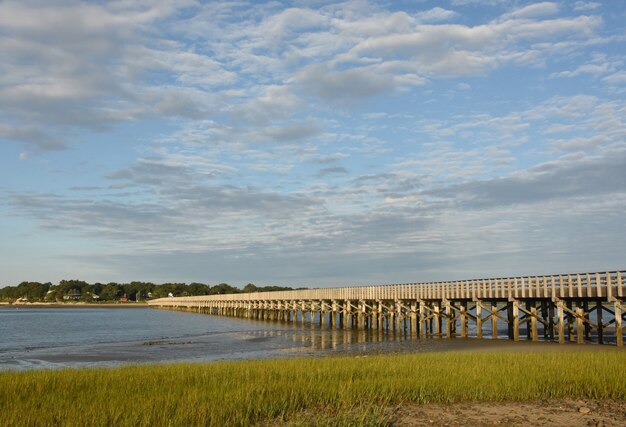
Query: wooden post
{"type": "Point", "coordinates": [533, 323]}
{"type": "Point", "coordinates": [374, 312]}
{"type": "Point", "coordinates": [529, 334]}
{"type": "Point", "coordinates": [391, 318]}
{"type": "Point", "coordinates": [464, 319]}
{"type": "Point", "coordinates": [437, 318]}
{"type": "Point", "coordinates": [551, 320]}
{"type": "Point", "coordinates": [494, 320]}
{"type": "Point", "coordinates": [600, 322]}
{"type": "Point", "coordinates": [580, 325]}
{"type": "Point", "coordinates": [544, 316]}
{"type": "Point", "coordinates": [479, 320]}
{"type": "Point", "coordinates": [560, 325]}
{"type": "Point", "coordinates": [586, 325]}
{"type": "Point", "coordinates": [413, 320]}
{"type": "Point", "coordinates": [448, 311]}
{"type": "Point", "coordinates": [515, 320]}
{"type": "Point", "coordinates": [570, 320]}
{"type": "Point", "coordinates": [422, 322]}
{"type": "Point", "coordinates": [619, 337]}
{"type": "Point", "coordinates": [398, 309]}
{"type": "Point", "coordinates": [361, 315]}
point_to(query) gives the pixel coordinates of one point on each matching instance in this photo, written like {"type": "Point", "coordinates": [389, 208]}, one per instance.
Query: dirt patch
{"type": "Point", "coordinates": [564, 412]}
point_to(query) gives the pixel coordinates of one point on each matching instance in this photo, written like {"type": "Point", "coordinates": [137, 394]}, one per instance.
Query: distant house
{"type": "Point", "coordinates": [123, 299]}
{"type": "Point", "coordinates": [72, 295]}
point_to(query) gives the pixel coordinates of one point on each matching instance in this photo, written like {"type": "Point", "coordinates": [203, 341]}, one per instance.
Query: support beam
{"type": "Point", "coordinates": [494, 320]}
{"type": "Point", "coordinates": [619, 332]}
{"type": "Point", "coordinates": [479, 320]}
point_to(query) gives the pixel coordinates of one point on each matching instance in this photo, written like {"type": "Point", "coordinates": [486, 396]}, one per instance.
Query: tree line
{"type": "Point", "coordinates": [78, 290]}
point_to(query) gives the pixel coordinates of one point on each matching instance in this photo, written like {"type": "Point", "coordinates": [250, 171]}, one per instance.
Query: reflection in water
{"type": "Point", "coordinates": [316, 338]}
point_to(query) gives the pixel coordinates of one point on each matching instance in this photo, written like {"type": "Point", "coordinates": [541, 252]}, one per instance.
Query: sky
{"type": "Point", "coordinates": [311, 143]}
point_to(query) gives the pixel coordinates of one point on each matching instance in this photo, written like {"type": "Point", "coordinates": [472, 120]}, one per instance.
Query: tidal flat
{"type": "Point", "coordinates": [336, 390]}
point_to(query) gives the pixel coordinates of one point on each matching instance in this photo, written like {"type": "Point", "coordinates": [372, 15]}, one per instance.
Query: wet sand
{"type": "Point", "coordinates": [549, 413]}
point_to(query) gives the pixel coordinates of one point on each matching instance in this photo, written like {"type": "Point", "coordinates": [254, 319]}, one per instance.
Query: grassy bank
{"type": "Point", "coordinates": [338, 390]}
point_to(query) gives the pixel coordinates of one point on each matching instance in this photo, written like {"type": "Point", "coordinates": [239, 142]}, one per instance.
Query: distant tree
{"type": "Point", "coordinates": [51, 295]}
{"type": "Point", "coordinates": [32, 291]}
{"type": "Point", "coordinates": [97, 288]}
{"type": "Point", "coordinates": [111, 291]}
{"type": "Point", "coordinates": [198, 289]}
{"type": "Point", "coordinates": [86, 294]}
{"type": "Point", "coordinates": [71, 287]}
{"type": "Point", "coordinates": [137, 291]}
{"type": "Point", "coordinates": [224, 288]}
{"type": "Point", "coordinates": [250, 287]}
{"type": "Point", "coordinates": [274, 288]}
{"type": "Point", "coordinates": [176, 289]}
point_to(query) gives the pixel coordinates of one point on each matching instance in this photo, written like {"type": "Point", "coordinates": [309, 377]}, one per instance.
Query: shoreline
{"type": "Point", "coordinates": [74, 305]}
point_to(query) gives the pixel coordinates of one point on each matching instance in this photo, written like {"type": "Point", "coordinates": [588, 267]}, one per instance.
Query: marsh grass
{"type": "Point", "coordinates": [307, 391]}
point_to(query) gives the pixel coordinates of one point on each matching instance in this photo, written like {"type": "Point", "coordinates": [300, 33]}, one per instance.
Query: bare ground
{"type": "Point", "coordinates": [563, 412]}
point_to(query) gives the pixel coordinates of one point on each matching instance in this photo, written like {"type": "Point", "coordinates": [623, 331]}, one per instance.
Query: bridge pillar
{"type": "Point", "coordinates": [479, 319]}
{"type": "Point", "coordinates": [494, 319]}
{"type": "Point", "coordinates": [347, 320]}
{"type": "Point", "coordinates": [463, 316]}
{"type": "Point", "coordinates": [361, 315]}
{"type": "Point", "coordinates": [619, 331]}
{"type": "Point", "coordinates": [413, 319]}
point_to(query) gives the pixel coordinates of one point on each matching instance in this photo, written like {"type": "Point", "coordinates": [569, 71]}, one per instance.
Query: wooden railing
{"type": "Point", "coordinates": [599, 285]}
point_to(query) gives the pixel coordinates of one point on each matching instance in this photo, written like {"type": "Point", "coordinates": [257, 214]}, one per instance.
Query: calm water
{"type": "Point", "coordinates": [68, 337]}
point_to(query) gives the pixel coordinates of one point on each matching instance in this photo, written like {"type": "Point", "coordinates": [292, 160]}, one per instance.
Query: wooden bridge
{"type": "Point", "coordinates": [583, 307]}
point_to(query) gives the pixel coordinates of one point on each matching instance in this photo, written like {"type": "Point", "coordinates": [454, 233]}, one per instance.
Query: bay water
{"type": "Point", "coordinates": [35, 338]}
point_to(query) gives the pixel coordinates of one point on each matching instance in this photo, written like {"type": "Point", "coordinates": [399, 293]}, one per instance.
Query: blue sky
{"type": "Point", "coordinates": [310, 143]}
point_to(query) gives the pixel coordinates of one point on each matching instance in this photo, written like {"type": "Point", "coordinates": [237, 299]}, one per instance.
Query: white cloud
{"type": "Point", "coordinates": [436, 14]}
{"type": "Point", "coordinates": [593, 69]}
{"type": "Point", "coordinates": [478, 2]}
{"type": "Point", "coordinates": [618, 78]}
{"type": "Point", "coordinates": [584, 6]}
{"type": "Point", "coordinates": [295, 132]}
{"type": "Point", "coordinates": [532, 11]}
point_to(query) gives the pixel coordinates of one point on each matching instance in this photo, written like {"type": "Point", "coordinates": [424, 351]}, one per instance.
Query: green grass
{"type": "Point", "coordinates": [324, 391]}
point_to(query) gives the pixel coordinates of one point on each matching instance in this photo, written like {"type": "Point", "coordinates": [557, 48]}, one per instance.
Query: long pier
{"type": "Point", "coordinates": [581, 307]}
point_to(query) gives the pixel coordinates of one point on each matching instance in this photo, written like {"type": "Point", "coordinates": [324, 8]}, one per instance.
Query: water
{"type": "Point", "coordinates": [78, 337]}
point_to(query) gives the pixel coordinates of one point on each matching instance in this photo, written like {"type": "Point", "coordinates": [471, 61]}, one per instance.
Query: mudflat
{"type": "Point", "coordinates": [558, 412]}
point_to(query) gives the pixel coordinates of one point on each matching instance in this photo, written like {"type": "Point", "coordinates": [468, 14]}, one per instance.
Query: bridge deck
{"type": "Point", "coordinates": [578, 307]}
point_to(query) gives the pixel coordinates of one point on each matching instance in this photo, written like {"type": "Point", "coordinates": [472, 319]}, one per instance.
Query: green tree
{"type": "Point", "coordinates": [198, 289]}
{"type": "Point", "coordinates": [223, 288]}
{"type": "Point", "coordinates": [250, 287]}
{"type": "Point", "coordinates": [110, 292]}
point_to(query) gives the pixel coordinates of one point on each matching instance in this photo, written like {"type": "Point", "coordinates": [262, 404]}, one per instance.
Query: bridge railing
{"type": "Point", "coordinates": [578, 285]}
